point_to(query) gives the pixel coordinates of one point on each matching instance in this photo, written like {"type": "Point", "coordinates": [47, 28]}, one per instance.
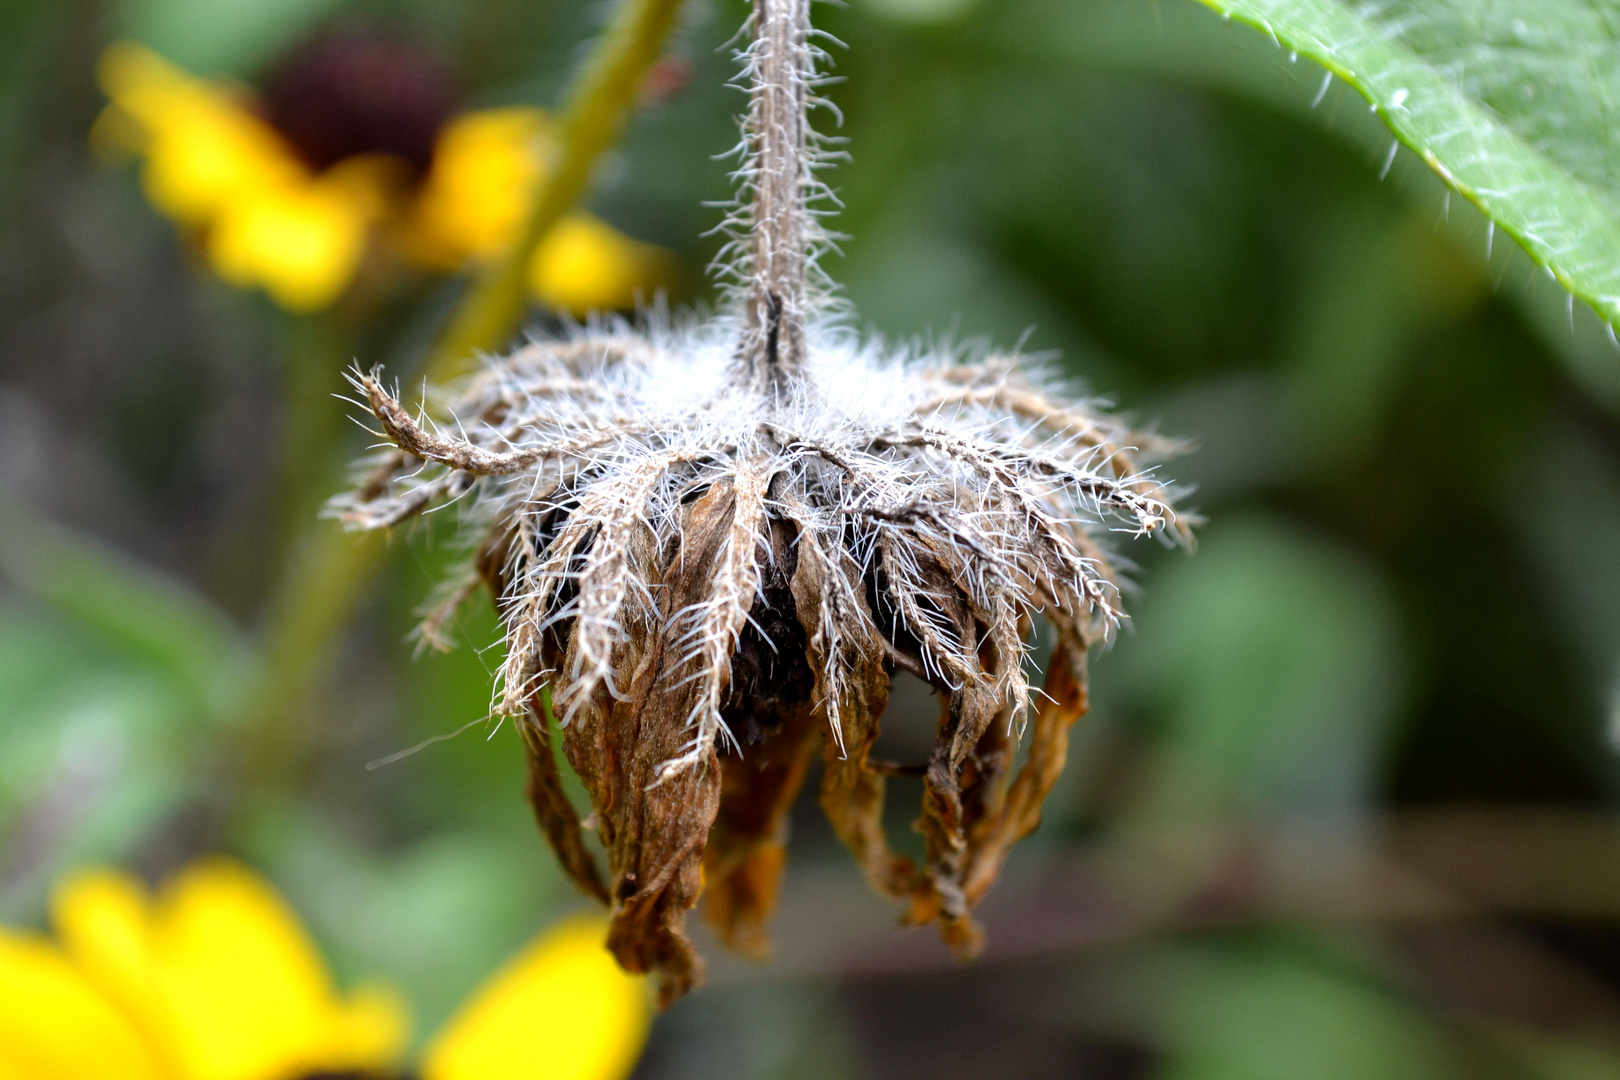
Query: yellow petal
{"type": "Point", "coordinates": [561, 1010]}
{"type": "Point", "coordinates": [204, 149]}
{"type": "Point", "coordinates": [101, 920]}
{"type": "Point", "coordinates": [586, 265]}
{"type": "Point", "coordinates": [485, 165]}
{"type": "Point", "coordinates": [302, 243]}
{"type": "Point", "coordinates": [247, 995]}
{"type": "Point", "coordinates": [205, 160]}
{"type": "Point", "coordinates": [372, 1028]}
{"type": "Point", "coordinates": [55, 1026]}
{"type": "Point", "coordinates": [127, 70]}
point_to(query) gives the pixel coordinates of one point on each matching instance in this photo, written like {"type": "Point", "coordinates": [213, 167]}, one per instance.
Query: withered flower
{"type": "Point", "coordinates": [715, 543]}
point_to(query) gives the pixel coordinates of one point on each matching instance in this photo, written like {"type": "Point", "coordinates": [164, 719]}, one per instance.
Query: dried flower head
{"type": "Point", "coordinates": [714, 543]}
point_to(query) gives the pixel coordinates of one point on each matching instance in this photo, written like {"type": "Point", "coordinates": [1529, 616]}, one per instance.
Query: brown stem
{"type": "Point", "coordinates": [778, 179]}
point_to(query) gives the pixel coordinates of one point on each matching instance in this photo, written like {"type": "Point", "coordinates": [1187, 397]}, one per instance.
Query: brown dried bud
{"type": "Point", "coordinates": [717, 543]}
{"type": "Point", "coordinates": [717, 583]}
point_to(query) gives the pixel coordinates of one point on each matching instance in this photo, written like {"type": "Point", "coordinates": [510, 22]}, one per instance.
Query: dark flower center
{"type": "Point", "coordinates": [353, 91]}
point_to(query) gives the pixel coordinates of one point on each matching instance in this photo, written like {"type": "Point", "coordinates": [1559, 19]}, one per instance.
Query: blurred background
{"type": "Point", "coordinates": [1346, 805]}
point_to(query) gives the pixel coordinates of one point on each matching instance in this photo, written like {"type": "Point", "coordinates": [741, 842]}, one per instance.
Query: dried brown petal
{"type": "Point", "coordinates": [555, 815]}
{"type": "Point", "coordinates": [654, 823]}
{"type": "Point", "coordinates": [748, 844]}
{"type": "Point", "coordinates": [1064, 702]}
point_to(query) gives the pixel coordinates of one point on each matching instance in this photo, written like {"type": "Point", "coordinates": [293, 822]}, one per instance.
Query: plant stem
{"type": "Point", "coordinates": [327, 575]}
{"type": "Point", "coordinates": [313, 426]}
{"type": "Point", "coordinates": [777, 181]}
{"type": "Point", "coordinates": [598, 106]}
{"type": "Point", "coordinates": [323, 573]}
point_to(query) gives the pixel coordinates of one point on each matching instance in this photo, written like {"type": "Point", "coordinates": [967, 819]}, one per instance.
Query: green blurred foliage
{"type": "Point", "coordinates": [221, 37]}
{"type": "Point", "coordinates": [1272, 665]}
{"type": "Point", "coordinates": [1408, 595]}
{"type": "Point", "coordinates": [1263, 1010]}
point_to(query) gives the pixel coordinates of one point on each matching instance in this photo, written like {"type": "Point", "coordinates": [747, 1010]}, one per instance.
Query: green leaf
{"type": "Point", "coordinates": [95, 749]}
{"type": "Point", "coordinates": [1511, 102]}
{"type": "Point", "coordinates": [135, 608]}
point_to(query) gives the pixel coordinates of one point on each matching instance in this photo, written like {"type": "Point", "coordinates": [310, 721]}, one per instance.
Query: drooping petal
{"type": "Point", "coordinates": [212, 163]}
{"type": "Point", "coordinates": [485, 164]}
{"type": "Point", "coordinates": [561, 1010]}
{"type": "Point", "coordinates": [204, 150]}
{"type": "Point", "coordinates": [55, 1025]}
{"type": "Point", "coordinates": [472, 207]}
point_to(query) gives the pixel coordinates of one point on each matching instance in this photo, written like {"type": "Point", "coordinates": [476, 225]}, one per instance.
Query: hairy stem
{"type": "Point", "coordinates": [315, 427]}
{"type": "Point", "coordinates": [778, 177]}
{"type": "Point", "coordinates": [598, 106]}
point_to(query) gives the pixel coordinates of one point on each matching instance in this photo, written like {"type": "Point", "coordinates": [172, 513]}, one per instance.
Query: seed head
{"type": "Point", "coordinates": [714, 542]}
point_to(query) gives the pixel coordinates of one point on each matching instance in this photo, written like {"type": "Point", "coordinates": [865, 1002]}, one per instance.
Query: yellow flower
{"type": "Point", "coordinates": [211, 164]}
{"type": "Point", "coordinates": [585, 265]}
{"type": "Point", "coordinates": [216, 979]}
{"type": "Point", "coordinates": [266, 219]}
{"type": "Point", "coordinates": [473, 203]}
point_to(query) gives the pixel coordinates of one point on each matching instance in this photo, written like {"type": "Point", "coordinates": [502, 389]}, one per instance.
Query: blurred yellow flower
{"type": "Point", "coordinates": [473, 203]}
{"type": "Point", "coordinates": [266, 219]}
{"type": "Point", "coordinates": [215, 978]}
{"type": "Point", "coordinates": [484, 165]}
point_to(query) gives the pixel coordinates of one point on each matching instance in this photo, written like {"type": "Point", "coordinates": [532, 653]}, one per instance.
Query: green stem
{"type": "Point", "coordinates": [328, 574]}
{"type": "Point", "coordinates": [598, 106]}
{"type": "Point", "coordinates": [312, 432]}
{"type": "Point", "coordinates": [324, 574]}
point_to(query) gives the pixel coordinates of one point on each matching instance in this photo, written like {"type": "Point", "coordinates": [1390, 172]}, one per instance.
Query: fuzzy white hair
{"type": "Point", "coordinates": [892, 455]}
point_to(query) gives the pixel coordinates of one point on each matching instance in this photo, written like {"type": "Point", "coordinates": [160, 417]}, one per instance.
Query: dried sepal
{"type": "Point", "coordinates": [558, 820]}
{"type": "Point", "coordinates": [654, 821]}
